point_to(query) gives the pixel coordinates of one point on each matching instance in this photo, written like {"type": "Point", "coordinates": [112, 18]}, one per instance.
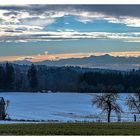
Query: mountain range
{"type": "Point", "coordinates": [103, 61]}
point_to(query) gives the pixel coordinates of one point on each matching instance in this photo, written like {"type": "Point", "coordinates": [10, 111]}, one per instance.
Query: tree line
{"type": "Point", "coordinates": [66, 79]}
{"type": "Point", "coordinates": [105, 81]}
{"type": "Point", "coordinates": [12, 79]}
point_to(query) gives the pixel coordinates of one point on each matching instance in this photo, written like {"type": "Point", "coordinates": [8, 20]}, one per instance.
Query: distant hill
{"type": "Point", "coordinates": [103, 61]}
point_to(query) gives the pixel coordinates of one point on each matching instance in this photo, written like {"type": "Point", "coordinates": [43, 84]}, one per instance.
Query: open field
{"type": "Point", "coordinates": [63, 107]}
{"type": "Point", "coordinates": [71, 129]}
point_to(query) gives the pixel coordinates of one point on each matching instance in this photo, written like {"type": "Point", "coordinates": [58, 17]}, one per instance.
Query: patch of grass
{"type": "Point", "coordinates": [71, 129]}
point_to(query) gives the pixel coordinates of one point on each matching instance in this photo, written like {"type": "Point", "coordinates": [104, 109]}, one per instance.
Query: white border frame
{"type": "Point", "coordinates": [21, 2]}
{"type": "Point", "coordinates": [105, 2]}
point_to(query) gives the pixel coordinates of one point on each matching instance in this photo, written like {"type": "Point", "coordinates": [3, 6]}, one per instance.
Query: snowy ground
{"type": "Point", "coordinates": [58, 107]}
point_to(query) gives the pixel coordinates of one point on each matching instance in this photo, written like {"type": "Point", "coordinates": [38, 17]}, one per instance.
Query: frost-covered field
{"type": "Point", "coordinates": [58, 106]}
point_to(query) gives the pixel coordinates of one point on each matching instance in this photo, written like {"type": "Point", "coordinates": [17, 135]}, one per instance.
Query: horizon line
{"type": "Point", "coordinates": [55, 57]}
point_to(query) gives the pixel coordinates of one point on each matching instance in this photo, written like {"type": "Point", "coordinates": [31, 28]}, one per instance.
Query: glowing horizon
{"type": "Point", "coordinates": [37, 58]}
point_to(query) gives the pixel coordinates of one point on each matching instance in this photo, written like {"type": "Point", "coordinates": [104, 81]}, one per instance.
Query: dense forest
{"type": "Point", "coordinates": [42, 78]}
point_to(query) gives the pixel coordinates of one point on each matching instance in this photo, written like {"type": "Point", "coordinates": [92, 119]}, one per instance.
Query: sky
{"type": "Point", "coordinates": [42, 32]}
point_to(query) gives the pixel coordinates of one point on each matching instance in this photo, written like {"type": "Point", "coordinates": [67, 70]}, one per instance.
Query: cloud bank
{"type": "Point", "coordinates": [26, 36]}
{"type": "Point", "coordinates": [30, 22]}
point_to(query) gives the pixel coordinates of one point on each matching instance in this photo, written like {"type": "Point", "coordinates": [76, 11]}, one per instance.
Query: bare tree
{"type": "Point", "coordinates": [133, 102]}
{"type": "Point", "coordinates": [108, 103]}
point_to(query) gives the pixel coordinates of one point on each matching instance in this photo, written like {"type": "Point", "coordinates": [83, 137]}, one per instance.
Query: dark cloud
{"type": "Point", "coordinates": [11, 13]}
{"type": "Point", "coordinates": [116, 10]}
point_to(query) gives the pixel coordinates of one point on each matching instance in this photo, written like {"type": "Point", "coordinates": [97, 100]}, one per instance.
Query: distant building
{"type": "Point", "coordinates": [2, 108]}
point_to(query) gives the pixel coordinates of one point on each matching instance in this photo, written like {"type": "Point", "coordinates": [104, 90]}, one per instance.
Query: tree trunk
{"type": "Point", "coordinates": [135, 118]}
{"type": "Point", "coordinates": [109, 114]}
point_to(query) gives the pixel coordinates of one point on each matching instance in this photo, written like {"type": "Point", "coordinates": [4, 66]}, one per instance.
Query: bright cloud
{"type": "Point", "coordinates": [47, 36]}
{"type": "Point", "coordinates": [31, 17]}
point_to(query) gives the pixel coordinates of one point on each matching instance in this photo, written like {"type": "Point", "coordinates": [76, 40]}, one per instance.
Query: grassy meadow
{"type": "Point", "coordinates": [71, 129]}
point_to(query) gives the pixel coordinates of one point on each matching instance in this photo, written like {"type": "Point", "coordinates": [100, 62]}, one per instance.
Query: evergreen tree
{"type": "Point", "coordinates": [2, 78]}
{"type": "Point", "coordinates": [9, 77]}
{"type": "Point", "coordinates": [32, 77]}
